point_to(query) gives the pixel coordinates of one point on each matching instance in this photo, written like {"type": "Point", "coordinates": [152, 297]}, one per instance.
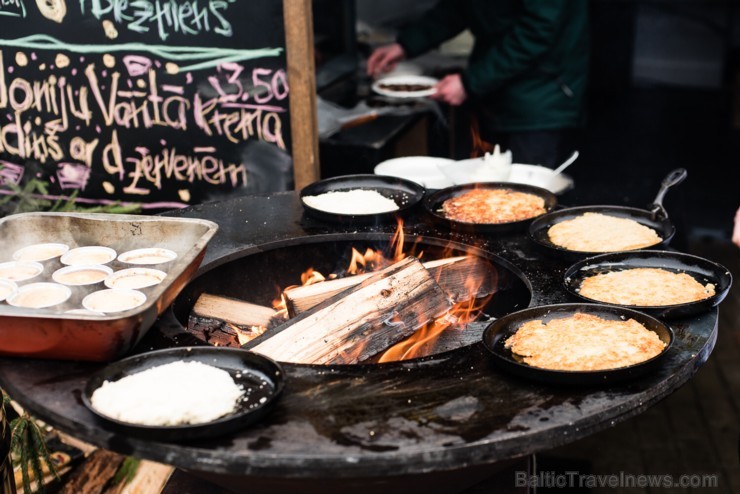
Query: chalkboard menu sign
{"type": "Point", "coordinates": [160, 102]}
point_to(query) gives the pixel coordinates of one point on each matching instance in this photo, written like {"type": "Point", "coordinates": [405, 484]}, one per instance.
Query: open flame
{"type": "Point", "coordinates": [243, 336]}
{"type": "Point", "coordinates": [456, 319]}
{"type": "Point", "coordinates": [480, 147]}
{"type": "Point", "coordinates": [371, 260]}
{"type": "Point", "coordinates": [309, 277]}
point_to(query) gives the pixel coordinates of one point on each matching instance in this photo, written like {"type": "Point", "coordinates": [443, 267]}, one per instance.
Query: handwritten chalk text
{"type": "Point", "coordinates": [191, 17]}
{"type": "Point", "coordinates": [12, 8]}
{"type": "Point", "coordinates": [44, 112]}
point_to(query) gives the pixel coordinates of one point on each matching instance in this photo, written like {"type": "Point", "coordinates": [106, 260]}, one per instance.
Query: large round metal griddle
{"type": "Point", "coordinates": [415, 425]}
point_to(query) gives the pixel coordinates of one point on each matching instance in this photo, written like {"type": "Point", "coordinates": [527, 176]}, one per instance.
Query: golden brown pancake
{"type": "Point", "coordinates": [595, 232]}
{"type": "Point", "coordinates": [645, 287]}
{"type": "Point", "coordinates": [584, 342]}
{"type": "Point", "coordinates": [493, 206]}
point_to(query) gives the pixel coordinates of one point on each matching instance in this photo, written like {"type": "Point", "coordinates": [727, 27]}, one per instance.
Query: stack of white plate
{"type": "Point", "coordinates": [438, 173]}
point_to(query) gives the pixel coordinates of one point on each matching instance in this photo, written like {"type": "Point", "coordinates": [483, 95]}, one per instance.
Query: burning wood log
{"type": "Point", "coordinates": [224, 321]}
{"type": "Point", "coordinates": [232, 310]}
{"type": "Point", "coordinates": [356, 324]}
{"type": "Point", "coordinates": [221, 333]}
{"type": "Point", "coordinates": [455, 337]}
{"type": "Point", "coordinates": [463, 278]}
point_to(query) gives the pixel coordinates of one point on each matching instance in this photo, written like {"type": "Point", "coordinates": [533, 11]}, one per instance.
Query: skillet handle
{"type": "Point", "coordinates": [673, 178]}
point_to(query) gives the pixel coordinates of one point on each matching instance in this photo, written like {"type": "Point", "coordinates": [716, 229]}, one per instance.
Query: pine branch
{"type": "Point", "coordinates": [42, 452]}
{"type": "Point", "coordinates": [28, 448]}
{"type": "Point", "coordinates": [126, 472]}
{"type": "Point", "coordinates": [17, 445]}
{"type": "Point", "coordinates": [34, 440]}
{"type": "Point", "coordinates": [29, 198]}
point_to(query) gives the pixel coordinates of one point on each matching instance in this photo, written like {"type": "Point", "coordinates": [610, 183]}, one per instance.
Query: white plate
{"type": "Point", "coordinates": [475, 170]}
{"type": "Point", "coordinates": [540, 176]}
{"type": "Point", "coordinates": [469, 171]}
{"type": "Point", "coordinates": [405, 79]}
{"type": "Point", "coordinates": [424, 170]}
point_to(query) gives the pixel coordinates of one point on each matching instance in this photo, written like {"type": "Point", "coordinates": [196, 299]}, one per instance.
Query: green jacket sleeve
{"type": "Point", "coordinates": [441, 23]}
{"type": "Point", "coordinates": [530, 37]}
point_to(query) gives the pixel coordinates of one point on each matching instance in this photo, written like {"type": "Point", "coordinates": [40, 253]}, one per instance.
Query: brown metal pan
{"type": "Point", "coordinates": [500, 330]}
{"type": "Point", "coordinates": [53, 333]}
{"type": "Point", "coordinates": [433, 205]}
{"type": "Point", "coordinates": [655, 217]}
{"type": "Point", "coordinates": [702, 270]}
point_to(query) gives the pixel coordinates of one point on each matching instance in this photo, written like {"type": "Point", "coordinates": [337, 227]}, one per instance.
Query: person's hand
{"type": "Point", "coordinates": [736, 230]}
{"type": "Point", "coordinates": [385, 59]}
{"type": "Point", "coordinates": [451, 90]}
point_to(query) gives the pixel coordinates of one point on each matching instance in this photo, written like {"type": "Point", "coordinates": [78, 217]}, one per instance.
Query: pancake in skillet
{"type": "Point", "coordinates": [493, 206]}
{"type": "Point", "coordinates": [595, 232]}
{"type": "Point", "coordinates": [584, 342]}
{"type": "Point", "coordinates": [647, 287]}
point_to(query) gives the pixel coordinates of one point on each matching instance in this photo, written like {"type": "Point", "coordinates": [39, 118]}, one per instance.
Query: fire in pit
{"type": "Point", "coordinates": [362, 299]}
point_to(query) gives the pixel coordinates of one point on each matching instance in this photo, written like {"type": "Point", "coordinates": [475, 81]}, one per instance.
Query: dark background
{"type": "Point", "coordinates": [664, 93]}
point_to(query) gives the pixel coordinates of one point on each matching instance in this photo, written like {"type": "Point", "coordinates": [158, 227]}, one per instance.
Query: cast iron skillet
{"type": "Point", "coordinates": [654, 217]}
{"type": "Point", "coordinates": [701, 269]}
{"type": "Point", "coordinates": [405, 193]}
{"type": "Point", "coordinates": [433, 205]}
{"type": "Point", "coordinates": [499, 331]}
{"type": "Point", "coordinates": [248, 369]}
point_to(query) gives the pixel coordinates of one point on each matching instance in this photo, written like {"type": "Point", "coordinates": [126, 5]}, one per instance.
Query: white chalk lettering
{"type": "Point", "coordinates": [165, 17]}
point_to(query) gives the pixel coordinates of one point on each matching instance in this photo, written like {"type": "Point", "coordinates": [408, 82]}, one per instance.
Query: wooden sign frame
{"type": "Point", "coordinates": [299, 46]}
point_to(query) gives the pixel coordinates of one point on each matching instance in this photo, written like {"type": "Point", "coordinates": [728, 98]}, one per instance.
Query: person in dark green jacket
{"type": "Point", "coordinates": [527, 74]}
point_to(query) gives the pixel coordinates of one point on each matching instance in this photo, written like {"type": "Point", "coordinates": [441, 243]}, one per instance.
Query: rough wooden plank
{"type": "Point", "coordinates": [233, 310]}
{"type": "Point", "coordinates": [360, 322]}
{"type": "Point", "coordinates": [722, 421]}
{"type": "Point", "coordinates": [462, 277]}
{"type": "Point", "coordinates": [92, 476]}
{"type": "Point", "coordinates": [150, 478]}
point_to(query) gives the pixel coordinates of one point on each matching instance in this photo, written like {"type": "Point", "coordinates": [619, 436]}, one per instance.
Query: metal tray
{"type": "Point", "coordinates": [53, 334]}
